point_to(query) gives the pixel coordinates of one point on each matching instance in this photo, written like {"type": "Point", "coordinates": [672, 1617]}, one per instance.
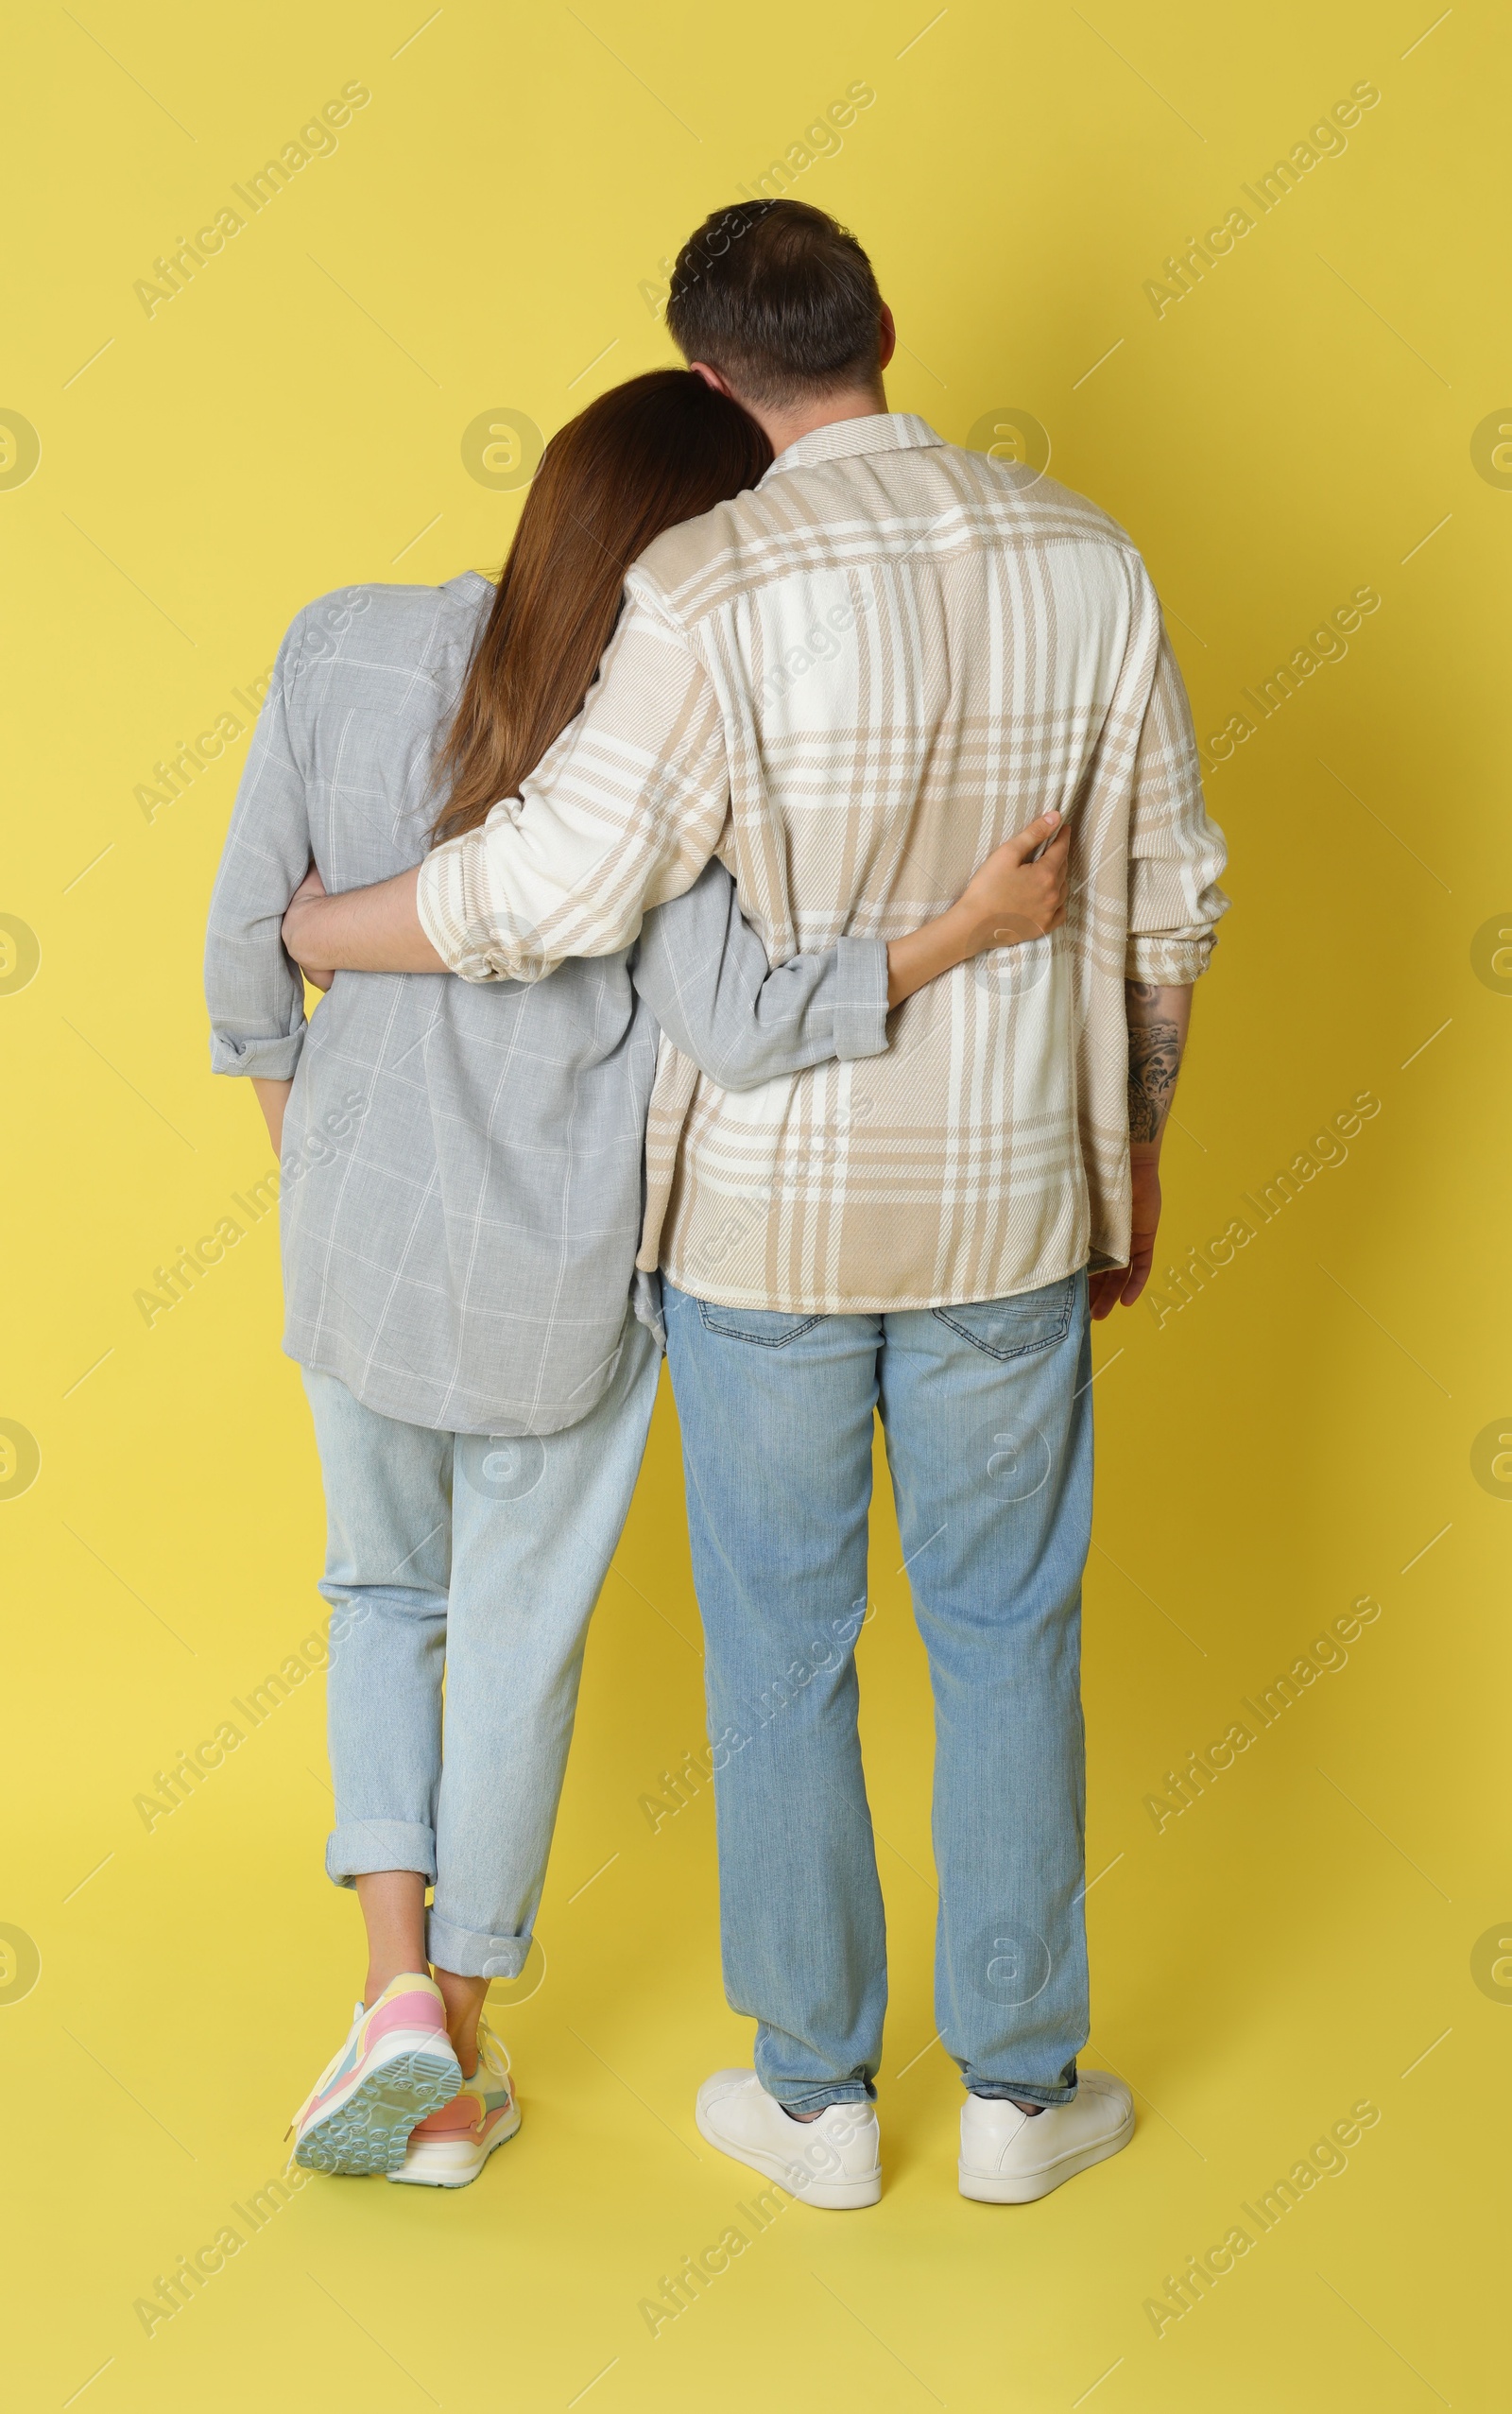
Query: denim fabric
{"type": "Point", "coordinates": [479, 1559]}
{"type": "Point", "coordinates": [986, 1412]}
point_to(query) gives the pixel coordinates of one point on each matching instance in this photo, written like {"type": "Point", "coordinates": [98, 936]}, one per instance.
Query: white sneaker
{"type": "Point", "coordinates": [834, 2161]}
{"type": "Point", "coordinates": [1009, 2157]}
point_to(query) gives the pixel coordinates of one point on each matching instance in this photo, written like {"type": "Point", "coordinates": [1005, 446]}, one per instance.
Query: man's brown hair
{"type": "Point", "coordinates": [781, 300]}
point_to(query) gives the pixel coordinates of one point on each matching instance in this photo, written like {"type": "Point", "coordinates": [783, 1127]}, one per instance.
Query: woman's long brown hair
{"type": "Point", "coordinates": [657, 450]}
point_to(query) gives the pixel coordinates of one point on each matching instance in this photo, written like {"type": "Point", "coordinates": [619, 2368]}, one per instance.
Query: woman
{"type": "Point", "coordinates": [462, 1185]}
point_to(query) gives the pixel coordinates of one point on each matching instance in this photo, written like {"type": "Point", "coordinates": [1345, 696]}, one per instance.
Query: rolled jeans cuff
{"type": "Point", "coordinates": [360, 1846]}
{"type": "Point", "coordinates": [795, 2098]}
{"type": "Point", "coordinates": [473, 1954]}
{"type": "Point", "coordinates": [1004, 2091]}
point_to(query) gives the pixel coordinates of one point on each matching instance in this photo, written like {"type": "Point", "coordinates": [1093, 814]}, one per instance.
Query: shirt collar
{"type": "Point", "coordinates": [843, 439]}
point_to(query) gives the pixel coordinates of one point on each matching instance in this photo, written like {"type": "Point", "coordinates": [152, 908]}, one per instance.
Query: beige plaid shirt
{"type": "Point", "coordinates": [852, 683]}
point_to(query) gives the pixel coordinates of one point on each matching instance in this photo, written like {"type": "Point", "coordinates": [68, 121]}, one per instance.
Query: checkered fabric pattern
{"type": "Point", "coordinates": [851, 683]}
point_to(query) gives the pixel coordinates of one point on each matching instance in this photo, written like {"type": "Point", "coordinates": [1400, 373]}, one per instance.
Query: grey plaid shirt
{"type": "Point", "coordinates": [462, 1179]}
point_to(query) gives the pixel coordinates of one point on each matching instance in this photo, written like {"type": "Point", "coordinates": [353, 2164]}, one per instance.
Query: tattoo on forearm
{"type": "Point", "coordinates": [1154, 1061]}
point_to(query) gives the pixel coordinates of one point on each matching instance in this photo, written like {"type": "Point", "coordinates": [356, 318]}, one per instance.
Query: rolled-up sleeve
{"type": "Point", "coordinates": [622, 814]}
{"type": "Point", "coordinates": [256, 997]}
{"type": "Point", "coordinates": [1176, 853]}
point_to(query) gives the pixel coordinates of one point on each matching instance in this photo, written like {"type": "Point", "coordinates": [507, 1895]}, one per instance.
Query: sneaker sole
{"type": "Point", "coordinates": [424, 2165]}
{"type": "Point", "coordinates": [828, 2195]}
{"type": "Point", "coordinates": [1026, 2187]}
{"type": "Point", "coordinates": [368, 2133]}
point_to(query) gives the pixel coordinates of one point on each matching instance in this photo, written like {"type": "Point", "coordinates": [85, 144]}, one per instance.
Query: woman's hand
{"type": "Point", "coordinates": [1010, 900]}
{"type": "Point", "coordinates": [318, 976]}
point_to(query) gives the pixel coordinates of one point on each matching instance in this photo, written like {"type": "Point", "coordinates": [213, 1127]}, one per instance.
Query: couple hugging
{"type": "Point", "coordinates": [806, 1006]}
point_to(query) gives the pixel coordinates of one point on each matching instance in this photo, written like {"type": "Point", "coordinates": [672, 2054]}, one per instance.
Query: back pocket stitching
{"type": "Point", "coordinates": [759, 1341]}
{"type": "Point", "coordinates": [1020, 1349]}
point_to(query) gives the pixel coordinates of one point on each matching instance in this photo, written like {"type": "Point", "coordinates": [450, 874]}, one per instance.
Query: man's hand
{"type": "Point", "coordinates": [364, 930]}
{"type": "Point", "coordinates": [318, 976]}
{"type": "Point", "coordinates": [1123, 1284]}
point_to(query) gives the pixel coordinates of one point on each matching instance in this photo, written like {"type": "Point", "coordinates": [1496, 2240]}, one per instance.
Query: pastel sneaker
{"type": "Point", "coordinates": [1009, 2157]}
{"type": "Point", "coordinates": [451, 2146]}
{"type": "Point", "coordinates": [396, 2067]}
{"type": "Point", "coordinates": [834, 2161]}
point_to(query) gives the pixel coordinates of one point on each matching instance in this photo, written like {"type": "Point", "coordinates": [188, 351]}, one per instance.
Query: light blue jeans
{"type": "Point", "coordinates": [987, 1416]}
{"type": "Point", "coordinates": [479, 1560]}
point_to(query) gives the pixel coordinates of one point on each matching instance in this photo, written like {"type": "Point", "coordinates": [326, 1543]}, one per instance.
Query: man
{"type": "Point", "coordinates": [852, 683]}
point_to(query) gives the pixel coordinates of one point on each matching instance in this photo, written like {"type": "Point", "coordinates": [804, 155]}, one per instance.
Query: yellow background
{"type": "Point", "coordinates": [1300, 1434]}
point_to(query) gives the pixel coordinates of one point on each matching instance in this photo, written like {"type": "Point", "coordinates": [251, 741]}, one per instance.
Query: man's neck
{"type": "Point", "coordinates": [784, 428]}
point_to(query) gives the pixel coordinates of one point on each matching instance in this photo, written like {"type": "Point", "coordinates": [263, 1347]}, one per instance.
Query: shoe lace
{"type": "Point", "coordinates": [492, 2049]}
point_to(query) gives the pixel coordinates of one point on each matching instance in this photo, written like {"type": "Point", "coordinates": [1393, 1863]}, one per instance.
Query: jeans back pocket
{"type": "Point", "coordinates": [1013, 1328]}
{"type": "Point", "coordinates": [769, 1328]}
